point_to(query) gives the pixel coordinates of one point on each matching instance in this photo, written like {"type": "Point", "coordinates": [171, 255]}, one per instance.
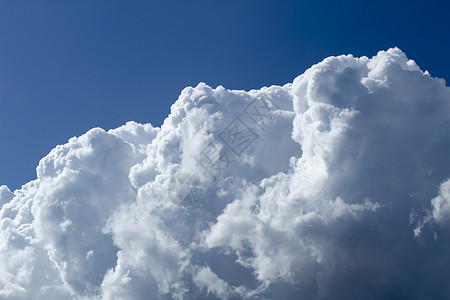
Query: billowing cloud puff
{"type": "Point", "coordinates": [335, 186]}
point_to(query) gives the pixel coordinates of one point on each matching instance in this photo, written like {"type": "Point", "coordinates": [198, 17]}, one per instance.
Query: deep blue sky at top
{"type": "Point", "coordinates": [67, 66]}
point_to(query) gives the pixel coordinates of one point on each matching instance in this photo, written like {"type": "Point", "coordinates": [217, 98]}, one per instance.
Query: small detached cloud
{"type": "Point", "coordinates": [334, 186]}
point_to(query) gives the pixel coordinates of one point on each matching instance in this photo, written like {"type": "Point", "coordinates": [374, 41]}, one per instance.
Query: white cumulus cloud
{"type": "Point", "coordinates": [334, 186]}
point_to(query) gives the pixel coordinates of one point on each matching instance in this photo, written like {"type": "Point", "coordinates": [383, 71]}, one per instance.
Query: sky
{"type": "Point", "coordinates": [224, 150]}
{"type": "Point", "coordinates": [68, 66]}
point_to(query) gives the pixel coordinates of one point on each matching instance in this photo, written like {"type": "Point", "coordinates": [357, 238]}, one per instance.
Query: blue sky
{"type": "Point", "coordinates": [68, 66]}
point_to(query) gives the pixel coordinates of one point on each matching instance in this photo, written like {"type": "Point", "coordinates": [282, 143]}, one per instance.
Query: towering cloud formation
{"type": "Point", "coordinates": [334, 186]}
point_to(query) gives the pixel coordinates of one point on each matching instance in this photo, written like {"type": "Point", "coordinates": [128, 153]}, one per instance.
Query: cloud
{"type": "Point", "coordinates": [441, 204]}
{"type": "Point", "coordinates": [335, 186]}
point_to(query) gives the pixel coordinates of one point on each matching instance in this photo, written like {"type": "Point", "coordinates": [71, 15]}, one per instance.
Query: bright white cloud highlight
{"type": "Point", "coordinates": [334, 186]}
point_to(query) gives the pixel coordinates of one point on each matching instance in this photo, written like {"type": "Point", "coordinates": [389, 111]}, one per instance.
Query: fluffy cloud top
{"type": "Point", "coordinates": [335, 186]}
